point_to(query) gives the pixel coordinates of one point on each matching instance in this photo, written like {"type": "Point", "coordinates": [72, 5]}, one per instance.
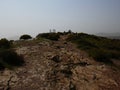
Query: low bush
{"type": "Point", "coordinates": [9, 59]}
{"type": "Point", "coordinates": [25, 37]}
{"type": "Point", "coordinates": [5, 44]}
{"type": "Point", "coordinates": [51, 36]}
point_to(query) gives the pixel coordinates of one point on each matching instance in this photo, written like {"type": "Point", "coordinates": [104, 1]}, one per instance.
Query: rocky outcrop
{"type": "Point", "coordinates": [57, 65]}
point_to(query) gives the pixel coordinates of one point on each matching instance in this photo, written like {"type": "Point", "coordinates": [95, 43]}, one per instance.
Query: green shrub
{"type": "Point", "coordinates": [5, 44]}
{"type": "Point", "coordinates": [25, 37]}
{"type": "Point", "coordinates": [51, 36]}
{"type": "Point", "coordinates": [9, 59]}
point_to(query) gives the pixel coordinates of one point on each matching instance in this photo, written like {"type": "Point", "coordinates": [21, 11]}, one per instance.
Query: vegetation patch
{"type": "Point", "coordinates": [5, 44]}
{"type": "Point", "coordinates": [100, 48]}
{"type": "Point", "coordinates": [25, 37]}
{"type": "Point", "coordinates": [51, 36]}
{"type": "Point", "coordinates": [8, 57]}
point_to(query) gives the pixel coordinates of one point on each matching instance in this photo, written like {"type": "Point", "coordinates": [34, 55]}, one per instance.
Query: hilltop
{"type": "Point", "coordinates": [60, 61]}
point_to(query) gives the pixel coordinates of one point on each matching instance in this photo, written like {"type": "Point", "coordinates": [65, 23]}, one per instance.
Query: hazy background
{"type": "Point", "coordinates": [34, 16]}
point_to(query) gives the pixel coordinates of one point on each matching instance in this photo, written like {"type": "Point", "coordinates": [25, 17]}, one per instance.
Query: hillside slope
{"type": "Point", "coordinates": [58, 65]}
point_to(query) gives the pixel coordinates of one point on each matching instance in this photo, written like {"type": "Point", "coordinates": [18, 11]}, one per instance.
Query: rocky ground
{"type": "Point", "coordinates": [58, 65]}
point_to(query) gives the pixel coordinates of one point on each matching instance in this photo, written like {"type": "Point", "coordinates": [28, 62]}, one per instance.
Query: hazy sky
{"type": "Point", "coordinates": [34, 16]}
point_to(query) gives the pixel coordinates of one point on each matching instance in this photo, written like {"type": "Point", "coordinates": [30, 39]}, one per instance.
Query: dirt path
{"type": "Point", "coordinates": [58, 65]}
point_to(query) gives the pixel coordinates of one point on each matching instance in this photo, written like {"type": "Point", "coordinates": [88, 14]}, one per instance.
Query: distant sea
{"type": "Point", "coordinates": [109, 35]}
{"type": "Point", "coordinates": [13, 38]}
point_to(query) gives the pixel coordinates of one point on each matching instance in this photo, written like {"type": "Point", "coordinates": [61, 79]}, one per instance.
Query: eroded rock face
{"type": "Point", "coordinates": [60, 66]}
